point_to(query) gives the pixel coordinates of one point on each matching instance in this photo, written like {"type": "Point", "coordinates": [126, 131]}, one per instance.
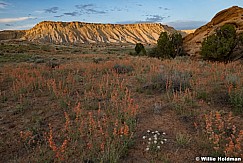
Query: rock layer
{"type": "Point", "coordinates": [233, 15]}
{"type": "Point", "coordinates": [79, 32]}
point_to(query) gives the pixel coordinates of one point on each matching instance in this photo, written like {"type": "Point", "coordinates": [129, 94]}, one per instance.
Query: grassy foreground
{"type": "Point", "coordinates": [73, 107]}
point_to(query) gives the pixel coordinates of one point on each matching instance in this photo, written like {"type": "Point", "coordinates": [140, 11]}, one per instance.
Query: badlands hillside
{"type": "Point", "coordinates": [80, 32]}
{"type": "Point", "coordinates": [233, 15]}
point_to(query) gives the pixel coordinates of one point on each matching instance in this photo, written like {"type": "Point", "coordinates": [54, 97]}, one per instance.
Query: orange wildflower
{"type": "Point", "coordinates": [51, 141]}
{"type": "Point", "coordinates": [126, 130]}
{"type": "Point", "coordinates": [102, 147]}
{"type": "Point", "coordinates": [67, 123]}
{"type": "Point", "coordinates": [89, 145]}
{"type": "Point", "coordinates": [64, 145]}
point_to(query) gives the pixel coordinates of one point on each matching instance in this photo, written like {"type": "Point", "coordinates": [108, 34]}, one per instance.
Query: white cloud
{"type": "Point", "coordinates": [10, 20]}
{"type": "Point", "coordinates": [39, 11]}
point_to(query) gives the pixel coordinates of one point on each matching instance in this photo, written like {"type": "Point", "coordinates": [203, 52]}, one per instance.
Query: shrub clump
{"type": "Point", "coordinates": [122, 69]}
{"type": "Point", "coordinates": [139, 49]}
{"type": "Point", "coordinates": [221, 45]}
{"type": "Point", "coordinates": [52, 64]}
{"type": "Point", "coordinates": [174, 81]}
{"type": "Point", "coordinates": [168, 46]}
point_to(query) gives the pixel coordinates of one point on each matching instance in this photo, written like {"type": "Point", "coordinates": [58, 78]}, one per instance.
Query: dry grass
{"type": "Point", "coordinates": [88, 111]}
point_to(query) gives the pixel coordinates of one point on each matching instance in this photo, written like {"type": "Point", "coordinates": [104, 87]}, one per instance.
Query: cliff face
{"type": "Point", "coordinates": [233, 15]}
{"type": "Point", "coordinates": [79, 32]}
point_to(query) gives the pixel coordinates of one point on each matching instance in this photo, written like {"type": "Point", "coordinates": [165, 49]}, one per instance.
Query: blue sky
{"type": "Point", "coordinates": [181, 14]}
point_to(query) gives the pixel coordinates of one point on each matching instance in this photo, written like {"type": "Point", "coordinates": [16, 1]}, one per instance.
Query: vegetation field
{"type": "Point", "coordinates": [98, 104]}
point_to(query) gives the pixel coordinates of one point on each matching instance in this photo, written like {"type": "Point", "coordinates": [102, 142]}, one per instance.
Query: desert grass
{"type": "Point", "coordinates": [88, 111]}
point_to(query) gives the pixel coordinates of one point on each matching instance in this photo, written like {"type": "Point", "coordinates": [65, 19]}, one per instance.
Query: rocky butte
{"type": "Point", "coordinates": [80, 32]}
{"type": "Point", "coordinates": [232, 15]}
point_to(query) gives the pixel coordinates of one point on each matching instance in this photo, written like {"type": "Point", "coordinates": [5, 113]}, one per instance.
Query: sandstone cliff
{"type": "Point", "coordinates": [79, 32]}
{"type": "Point", "coordinates": [233, 15]}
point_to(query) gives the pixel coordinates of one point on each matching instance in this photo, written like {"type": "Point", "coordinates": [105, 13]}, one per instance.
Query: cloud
{"type": "Point", "coordinates": [71, 13]}
{"type": "Point", "coordinates": [89, 9]}
{"type": "Point", "coordinates": [39, 11]}
{"type": "Point", "coordinates": [58, 16]}
{"type": "Point", "coordinates": [186, 24]}
{"type": "Point", "coordinates": [154, 18]}
{"type": "Point", "coordinates": [116, 9]}
{"type": "Point", "coordinates": [51, 10]}
{"type": "Point", "coordinates": [10, 20]}
{"type": "Point", "coordinates": [162, 8]}
{"type": "Point", "coordinates": [3, 5]}
{"type": "Point", "coordinates": [149, 19]}
{"type": "Point", "coordinates": [8, 25]}
{"type": "Point", "coordinates": [84, 6]}
{"type": "Point", "coordinates": [93, 11]}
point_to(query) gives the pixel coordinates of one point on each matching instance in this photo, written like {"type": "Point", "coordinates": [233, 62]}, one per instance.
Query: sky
{"type": "Point", "coordinates": [181, 14]}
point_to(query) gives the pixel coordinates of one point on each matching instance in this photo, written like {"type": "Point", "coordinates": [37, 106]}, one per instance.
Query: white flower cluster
{"type": "Point", "coordinates": [154, 140]}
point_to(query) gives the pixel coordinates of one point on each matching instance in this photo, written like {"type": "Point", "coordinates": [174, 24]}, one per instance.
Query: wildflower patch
{"type": "Point", "coordinates": [154, 140]}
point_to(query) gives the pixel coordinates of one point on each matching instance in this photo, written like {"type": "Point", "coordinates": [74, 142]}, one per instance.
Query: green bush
{"type": "Point", "coordinates": [153, 52]}
{"type": "Point", "coordinates": [168, 46]}
{"type": "Point", "coordinates": [176, 40]}
{"type": "Point", "coordinates": [164, 46]}
{"type": "Point", "coordinates": [220, 46]}
{"type": "Point", "coordinates": [139, 48]}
